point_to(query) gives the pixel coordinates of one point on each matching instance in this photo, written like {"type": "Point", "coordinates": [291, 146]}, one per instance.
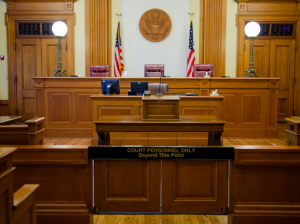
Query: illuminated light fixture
{"type": "Point", "coordinates": [59, 29]}
{"type": "Point", "coordinates": [252, 29]}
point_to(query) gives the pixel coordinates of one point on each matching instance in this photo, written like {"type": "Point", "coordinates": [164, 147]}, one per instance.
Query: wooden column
{"type": "Point", "coordinates": [97, 33]}
{"type": "Point", "coordinates": [213, 34]}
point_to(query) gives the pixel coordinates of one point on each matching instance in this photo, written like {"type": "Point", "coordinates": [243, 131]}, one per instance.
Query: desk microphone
{"type": "Point", "coordinates": [159, 93]}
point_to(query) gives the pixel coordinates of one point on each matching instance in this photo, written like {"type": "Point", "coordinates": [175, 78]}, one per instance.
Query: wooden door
{"type": "Point", "coordinates": [261, 55]}
{"type": "Point", "coordinates": [194, 186]}
{"type": "Point", "coordinates": [127, 185]}
{"type": "Point", "coordinates": [282, 64]}
{"type": "Point", "coordinates": [50, 54]}
{"type": "Point", "coordinates": [28, 61]}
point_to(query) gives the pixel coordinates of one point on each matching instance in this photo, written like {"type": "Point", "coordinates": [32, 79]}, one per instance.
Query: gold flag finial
{"type": "Point", "coordinates": [119, 15]}
{"type": "Point", "coordinates": [191, 15]}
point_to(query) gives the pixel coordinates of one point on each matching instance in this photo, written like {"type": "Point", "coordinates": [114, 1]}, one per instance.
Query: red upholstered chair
{"type": "Point", "coordinates": [154, 70]}
{"type": "Point", "coordinates": [100, 71]}
{"type": "Point", "coordinates": [201, 69]}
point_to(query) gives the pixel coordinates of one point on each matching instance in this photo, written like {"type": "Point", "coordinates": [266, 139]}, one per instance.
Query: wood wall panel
{"type": "Point", "coordinates": [252, 108]}
{"type": "Point", "coordinates": [229, 107]}
{"type": "Point", "coordinates": [60, 107]}
{"type": "Point", "coordinates": [213, 34]}
{"type": "Point", "coordinates": [97, 33]}
{"type": "Point", "coordinates": [83, 102]}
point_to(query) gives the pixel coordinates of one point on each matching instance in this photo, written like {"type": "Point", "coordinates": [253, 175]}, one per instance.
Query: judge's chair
{"type": "Point", "coordinates": [201, 69]}
{"type": "Point", "coordinates": [154, 70]}
{"type": "Point", "coordinates": [100, 71]}
{"type": "Point", "coordinates": [154, 87]}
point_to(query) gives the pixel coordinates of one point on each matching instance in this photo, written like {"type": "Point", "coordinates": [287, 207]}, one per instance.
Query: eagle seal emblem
{"type": "Point", "coordinates": [155, 25]}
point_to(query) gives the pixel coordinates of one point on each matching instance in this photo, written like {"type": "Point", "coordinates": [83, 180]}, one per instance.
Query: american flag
{"type": "Point", "coordinates": [191, 54]}
{"type": "Point", "coordinates": [118, 65]}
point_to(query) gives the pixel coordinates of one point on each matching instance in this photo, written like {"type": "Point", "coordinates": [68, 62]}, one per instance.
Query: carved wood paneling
{"type": "Point", "coordinates": [186, 187]}
{"type": "Point", "coordinates": [252, 108]}
{"type": "Point", "coordinates": [97, 33]}
{"type": "Point", "coordinates": [282, 65]}
{"type": "Point", "coordinates": [117, 110]}
{"type": "Point", "coordinates": [134, 180]}
{"type": "Point", "coordinates": [194, 186]}
{"type": "Point", "coordinates": [28, 64]}
{"type": "Point", "coordinates": [213, 34]}
{"type": "Point", "coordinates": [84, 103]}
{"type": "Point", "coordinates": [60, 107]}
{"type": "Point", "coordinates": [229, 107]}
{"type": "Point", "coordinates": [204, 110]}
{"type": "Point", "coordinates": [127, 186]}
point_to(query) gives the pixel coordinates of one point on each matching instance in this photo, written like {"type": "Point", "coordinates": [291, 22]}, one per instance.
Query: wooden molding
{"type": "Point", "coordinates": [213, 34]}
{"type": "Point", "coordinates": [97, 33]}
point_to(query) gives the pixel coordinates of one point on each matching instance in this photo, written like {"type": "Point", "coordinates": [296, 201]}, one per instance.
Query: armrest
{"type": "Point", "coordinates": [24, 202]}
{"type": "Point", "coordinates": [35, 120]}
{"type": "Point", "coordinates": [36, 130]}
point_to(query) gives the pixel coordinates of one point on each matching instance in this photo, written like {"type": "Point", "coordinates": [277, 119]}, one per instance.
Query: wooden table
{"type": "Point", "coordinates": [202, 123]}
{"type": "Point", "coordinates": [4, 120]}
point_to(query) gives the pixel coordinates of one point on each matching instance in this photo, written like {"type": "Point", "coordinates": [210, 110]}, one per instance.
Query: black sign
{"type": "Point", "coordinates": [133, 152]}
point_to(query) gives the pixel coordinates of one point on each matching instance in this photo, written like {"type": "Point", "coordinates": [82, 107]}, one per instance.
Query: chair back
{"type": "Point", "coordinates": [154, 87]}
{"type": "Point", "coordinates": [154, 70]}
{"type": "Point", "coordinates": [100, 71]}
{"type": "Point", "coordinates": [201, 69]}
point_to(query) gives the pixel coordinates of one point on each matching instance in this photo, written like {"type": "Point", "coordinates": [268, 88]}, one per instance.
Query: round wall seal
{"type": "Point", "coordinates": [155, 25]}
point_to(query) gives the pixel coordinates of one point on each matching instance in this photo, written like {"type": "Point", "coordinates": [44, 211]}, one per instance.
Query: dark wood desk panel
{"type": "Point", "coordinates": [249, 107]}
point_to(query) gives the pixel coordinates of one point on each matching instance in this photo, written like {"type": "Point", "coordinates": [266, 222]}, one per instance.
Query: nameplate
{"type": "Point", "coordinates": [133, 152]}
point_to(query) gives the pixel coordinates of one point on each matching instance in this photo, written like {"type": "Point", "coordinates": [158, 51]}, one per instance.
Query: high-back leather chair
{"type": "Point", "coordinates": [154, 70]}
{"type": "Point", "coordinates": [201, 69]}
{"type": "Point", "coordinates": [100, 71]}
{"type": "Point", "coordinates": [154, 87]}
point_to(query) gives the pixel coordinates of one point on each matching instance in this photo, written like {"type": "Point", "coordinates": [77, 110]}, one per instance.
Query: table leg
{"type": "Point", "coordinates": [103, 138]}
{"type": "Point", "coordinates": [214, 138]}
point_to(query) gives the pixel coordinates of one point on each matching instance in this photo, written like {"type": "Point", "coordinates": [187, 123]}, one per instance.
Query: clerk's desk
{"type": "Point", "coordinates": [249, 108]}
{"type": "Point", "coordinates": [124, 105]}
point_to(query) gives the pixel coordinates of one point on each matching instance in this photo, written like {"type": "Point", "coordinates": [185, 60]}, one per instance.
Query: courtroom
{"type": "Point", "coordinates": [136, 111]}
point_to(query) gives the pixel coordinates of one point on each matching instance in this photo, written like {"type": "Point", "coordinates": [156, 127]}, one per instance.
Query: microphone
{"type": "Point", "coordinates": [159, 93]}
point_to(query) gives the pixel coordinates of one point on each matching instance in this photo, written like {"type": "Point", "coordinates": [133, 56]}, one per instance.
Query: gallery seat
{"type": "Point", "coordinates": [201, 69]}
{"type": "Point", "coordinates": [100, 71]}
{"type": "Point", "coordinates": [154, 70]}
